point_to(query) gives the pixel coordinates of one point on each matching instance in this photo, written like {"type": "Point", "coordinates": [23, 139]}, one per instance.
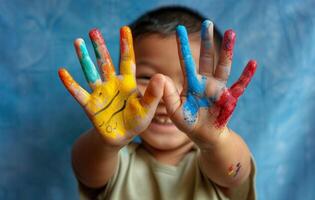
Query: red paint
{"type": "Point", "coordinates": [100, 48]}
{"type": "Point", "coordinates": [229, 42]}
{"type": "Point", "coordinates": [96, 36]}
{"type": "Point", "coordinates": [230, 169]}
{"type": "Point", "coordinates": [103, 58]}
{"type": "Point", "coordinates": [225, 105]}
{"type": "Point", "coordinates": [239, 86]}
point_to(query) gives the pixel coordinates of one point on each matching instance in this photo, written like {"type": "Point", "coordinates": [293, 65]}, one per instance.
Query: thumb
{"type": "Point", "coordinates": [171, 97]}
{"type": "Point", "coordinates": [153, 93]}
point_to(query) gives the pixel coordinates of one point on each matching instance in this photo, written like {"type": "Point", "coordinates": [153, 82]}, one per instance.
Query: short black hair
{"type": "Point", "coordinates": [164, 20]}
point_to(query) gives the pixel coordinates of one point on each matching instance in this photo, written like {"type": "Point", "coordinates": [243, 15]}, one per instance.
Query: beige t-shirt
{"type": "Point", "coordinates": [139, 176]}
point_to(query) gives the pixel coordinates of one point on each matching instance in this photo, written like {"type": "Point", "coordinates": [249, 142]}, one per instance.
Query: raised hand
{"type": "Point", "coordinates": [115, 107]}
{"type": "Point", "coordinates": [206, 103]}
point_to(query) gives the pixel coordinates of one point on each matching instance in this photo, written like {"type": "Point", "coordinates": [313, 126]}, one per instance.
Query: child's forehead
{"type": "Point", "coordinates": [159, 39]}
{"type": "Point", "coordinates": [155, 52]}
{"type": "Point", "coordinates": [167, 46]}
{"type": "Point", "coordinates": [160, 36]}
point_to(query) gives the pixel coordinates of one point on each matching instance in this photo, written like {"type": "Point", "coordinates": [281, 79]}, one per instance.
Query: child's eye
{"type": "Point", "coordinates": [143, 80]}
{"type": "Point", "coordinates": [143, 77]}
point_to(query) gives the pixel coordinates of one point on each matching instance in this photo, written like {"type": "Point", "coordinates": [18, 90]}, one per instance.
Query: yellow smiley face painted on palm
{"type": "Point", "coordinates": [113, 106]}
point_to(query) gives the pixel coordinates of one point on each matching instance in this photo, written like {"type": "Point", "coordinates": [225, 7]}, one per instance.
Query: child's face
{"type": "Point", "coordinates": [155, 54]}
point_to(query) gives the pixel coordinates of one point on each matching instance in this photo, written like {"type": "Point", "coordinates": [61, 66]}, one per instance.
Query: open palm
{"type": "Point", "coordinates": [206, 103]}
{"type": "Point", "coordinates": [114, 107]}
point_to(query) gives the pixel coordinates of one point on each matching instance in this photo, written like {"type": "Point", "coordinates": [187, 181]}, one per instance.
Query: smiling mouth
{"type": "Point", "coordinates": [162, 120]}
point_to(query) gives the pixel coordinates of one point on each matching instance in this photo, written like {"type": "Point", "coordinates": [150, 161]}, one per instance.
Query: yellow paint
{"type": "Point", "coordinates": [104, 97]}
{"type": "Point", "coordinates": [113, 106]}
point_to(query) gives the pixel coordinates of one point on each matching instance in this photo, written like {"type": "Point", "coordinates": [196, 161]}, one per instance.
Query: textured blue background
{"type": "Point", "coordinates": [39, 120]}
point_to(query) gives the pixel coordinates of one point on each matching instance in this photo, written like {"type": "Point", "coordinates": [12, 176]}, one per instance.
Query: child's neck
{"type": "Point", "coordinates": [171, 156]}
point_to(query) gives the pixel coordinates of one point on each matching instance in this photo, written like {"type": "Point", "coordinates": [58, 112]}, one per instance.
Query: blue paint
{"type": "Point", "coordinates": [90, 72]}
{"type": "Point", "coordinates": [204, 28]}
{"type": "Point", "coordinates": [196, 97]}
{"type": "Point", "coordinates": [205, 33]}
{"type": "Point", "coordinates": [276, 123]}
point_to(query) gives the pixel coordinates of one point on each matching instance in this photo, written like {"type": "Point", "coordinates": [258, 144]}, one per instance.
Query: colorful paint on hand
{"type": "Point", "coordinates": [226, 103]}
{"type": "Point", "coordinates": [234, 170]}
{"type": "Point", "coordinates": [113, 106]}
{"type": "Point", "coordinates": [104, 60]}
{"type": "Point", "coordinates": [195, 86]}
{"type": "Point", "coordinates": [87, 64]}
{"type": "Point", "coordinates": [228, 43]}
{"type": "Point", "coordinates": [224, 100]}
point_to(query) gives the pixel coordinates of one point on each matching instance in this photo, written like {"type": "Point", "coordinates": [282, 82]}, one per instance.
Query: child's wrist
{"type": "Point", "coordinates": [211, 139]}
{"type": "Point", "coordinates": [106, 145]}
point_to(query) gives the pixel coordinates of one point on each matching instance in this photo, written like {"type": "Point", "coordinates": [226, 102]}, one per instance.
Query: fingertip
{"type": "Point", "coordinates": [95, 33]}
{"type": "Point", "coordinates": [157, 83]}
{"type": "Point", "coordinates": [62, 72]}
{"type": "Point", "coordinates": [65, 77]}
{"type": "Point", "coordinates": [252, 63]}
{"type": "Point", "coordinates": [126, 51]}
{"type": "Point", "coordinates": [228, 40]}
{"type": "Point", "coordinates": [206, 26]}
{"type": "Point", "coordinates": [251, 66]}
{"type": "Point", "coordinates": [125, 36]}
{"type": "Point", "coordinates": [206, 23]}
{"type": "Point", "coordinates": [154, 91]}
{"type": "Point", "coordinates": [61, 69]}
{"type": "Point", "coordinates": [159, 79]}
{"type": "Point", "coordinates": [229, 34]}
{"type": "Point", "coordinates": [78, 41]}
{"type": "Point", "coordinates": [80, 47]}
{"type": "Point", "coordinates": [125, 30]}
{"type": "Point", "coordinates": [180, 28]}
{"type": "Point", "coordinates": [181, 31]}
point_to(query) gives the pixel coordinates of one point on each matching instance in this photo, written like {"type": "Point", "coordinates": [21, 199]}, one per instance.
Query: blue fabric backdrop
{"type": "Point", "coordinates": [39, 120]}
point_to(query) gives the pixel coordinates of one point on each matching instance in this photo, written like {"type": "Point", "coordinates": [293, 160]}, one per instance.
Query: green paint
{"type": "Point", "coordinates": [97, 53]}
{"type": "Point", "coordinates": [88, 67]}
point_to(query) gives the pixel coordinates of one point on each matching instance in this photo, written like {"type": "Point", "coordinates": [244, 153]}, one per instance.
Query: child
{"type": "Point", "coordinates": [178, 106]}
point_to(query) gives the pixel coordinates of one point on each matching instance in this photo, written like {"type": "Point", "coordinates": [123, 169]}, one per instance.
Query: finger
{"type": "Point", "coordinates": [238, 88]}
{"type": "Point", "coordinates": [206, 60]}
{"type": "Point", "coordinates": [91, 74]}
{"type": "Point", "coordinates": [171, 97]}
{"type": "Point", "coordinates": [153, 93]}
{"type": "Point", "coordinates": [223, 69]}
{"type": "Point", "coordinates": [104, 60]}
{"type": "Point", "coordinates": [179, 109]}
{"type": "Point", "coordinates": [73, 87]}
{"type": "Point", "coordinates": [127, 55]}
{"type": "Point", "coordinates": [191, 82]}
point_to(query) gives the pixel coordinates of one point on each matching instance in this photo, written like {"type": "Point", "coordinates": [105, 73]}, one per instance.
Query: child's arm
{"type": "Point", "coordinates": [227, 162]}
{"type": "Point", "coordinates": [205, 105]}
{"type": "Point", "coordinates": [115, 107]}
{"type": "Point", "coordinates": [93, 162]}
